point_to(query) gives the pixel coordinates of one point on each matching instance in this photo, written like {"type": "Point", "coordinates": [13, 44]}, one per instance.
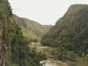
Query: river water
{"type": "Point", "coordinates": [48, 62]}
{"type": "Point", "coordinates": [51, 62]}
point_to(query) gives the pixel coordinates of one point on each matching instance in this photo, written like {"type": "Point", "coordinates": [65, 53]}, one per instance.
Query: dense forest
{"type": "Point", "coordinates": [65, 41]}
{"type": "Point", "coordinates": [32, 30]}
{"type": "Point", "coordinates": [14, 50]}
{"type": "Point", "coordinates": [70, 32]}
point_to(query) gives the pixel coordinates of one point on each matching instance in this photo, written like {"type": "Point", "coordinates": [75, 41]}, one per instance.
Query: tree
{"type": "Point", "coordinates": [85, 57]}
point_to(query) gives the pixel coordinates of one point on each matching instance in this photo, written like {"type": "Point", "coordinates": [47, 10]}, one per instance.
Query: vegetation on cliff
{"type": "Point", "coordinates": [14, 44]}
{"type": "Point", "coordinates": [32, 30]}
{"type": "Point", "coordinates": [70, 31]}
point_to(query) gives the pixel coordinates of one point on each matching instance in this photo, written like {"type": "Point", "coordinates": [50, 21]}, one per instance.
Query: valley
{"type": "Point", "coordinates": [24, 42]}
{"type": "Point", "coordinates": [51, 61]}
{"type": "Point", "coordinates": [32, 30]}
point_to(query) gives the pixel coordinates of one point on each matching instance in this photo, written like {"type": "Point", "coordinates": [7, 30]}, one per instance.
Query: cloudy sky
{"type": "Point", "coordinates": [43, 11]}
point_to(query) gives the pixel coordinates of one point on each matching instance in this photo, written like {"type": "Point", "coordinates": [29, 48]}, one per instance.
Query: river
{"type": "Point", "coordinates": [51, 62]}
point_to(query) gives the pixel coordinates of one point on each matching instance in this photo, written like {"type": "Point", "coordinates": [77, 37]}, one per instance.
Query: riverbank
{"type": "Point", "coordinates": [50, 58]}
{"type": "Point", "coordinates": [52, 62]}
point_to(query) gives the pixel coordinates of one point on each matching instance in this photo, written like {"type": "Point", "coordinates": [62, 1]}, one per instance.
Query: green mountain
{"type": "Point", "coordinates": [31, 29]}
{"type": "Point", "coordinates": [70, 31]}
{"type": "Point", "coordinates": [14, 50]}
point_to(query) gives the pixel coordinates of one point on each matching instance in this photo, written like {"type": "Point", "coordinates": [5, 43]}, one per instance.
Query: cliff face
{"type": "Point", "coordinates": [5, 14]}
{"type": "Point", "coordinates": [4, 18]}
{"type": "Point", "coordinates": [3, 50]}
{"type": "Point", "coordinates": [70, 31]}
{"type": "Point", "coordinates": [14, 50]}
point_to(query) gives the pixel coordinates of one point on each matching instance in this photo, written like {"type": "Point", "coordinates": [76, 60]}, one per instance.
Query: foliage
{"type": "Point", "coordinates": [17, 51]}
{"type": "Point", "coordinates": [70, 31]}
{"type": "Point", "coordinates": [72, 55]}
{"type": "Point", "coordinates": [85, 57]}
{"type": "Point", "coordinates": [31, 29]}
{"type": "Point", "coordinates": [20, 52]}
{"type": "Point", "coordinates": [73, 64]}
{"type": "Point", "coordinates": [59, 53]}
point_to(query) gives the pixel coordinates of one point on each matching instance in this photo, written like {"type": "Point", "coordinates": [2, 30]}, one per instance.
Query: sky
{"type": "Point", "coordinates": [45, 12]}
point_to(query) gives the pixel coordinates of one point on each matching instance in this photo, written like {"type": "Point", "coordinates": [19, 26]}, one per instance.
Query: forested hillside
{"type": "Point", "coordinates": [31, 29]}
{"type": "Point", "coordinates": [70, 31]}
{"type": "Point", "coordinates": [14, 50]}
{"type": "Point", "coordinates": [63, 41]}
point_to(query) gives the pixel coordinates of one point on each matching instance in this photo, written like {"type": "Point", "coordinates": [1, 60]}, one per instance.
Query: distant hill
{"type": "Point", "coordinates": [31, 29]}
{"type": "Point", "coordinates": [70, 31]}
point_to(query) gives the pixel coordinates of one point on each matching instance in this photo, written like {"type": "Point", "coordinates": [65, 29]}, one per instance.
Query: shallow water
{"type": "Point", "coordinates": [52, 63]}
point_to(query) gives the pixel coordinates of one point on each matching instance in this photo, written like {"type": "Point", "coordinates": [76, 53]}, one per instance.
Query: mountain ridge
{"type": "Point", "coordinates": [14, 50]}
{"type": "Point", "coordinates": [70, 31]}
{"type": "Point", "coordinates": [31, 29]}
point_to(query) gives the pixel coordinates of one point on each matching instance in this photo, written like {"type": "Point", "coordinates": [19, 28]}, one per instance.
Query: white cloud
{"type": "Point", "coordinates": [42, 11]}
